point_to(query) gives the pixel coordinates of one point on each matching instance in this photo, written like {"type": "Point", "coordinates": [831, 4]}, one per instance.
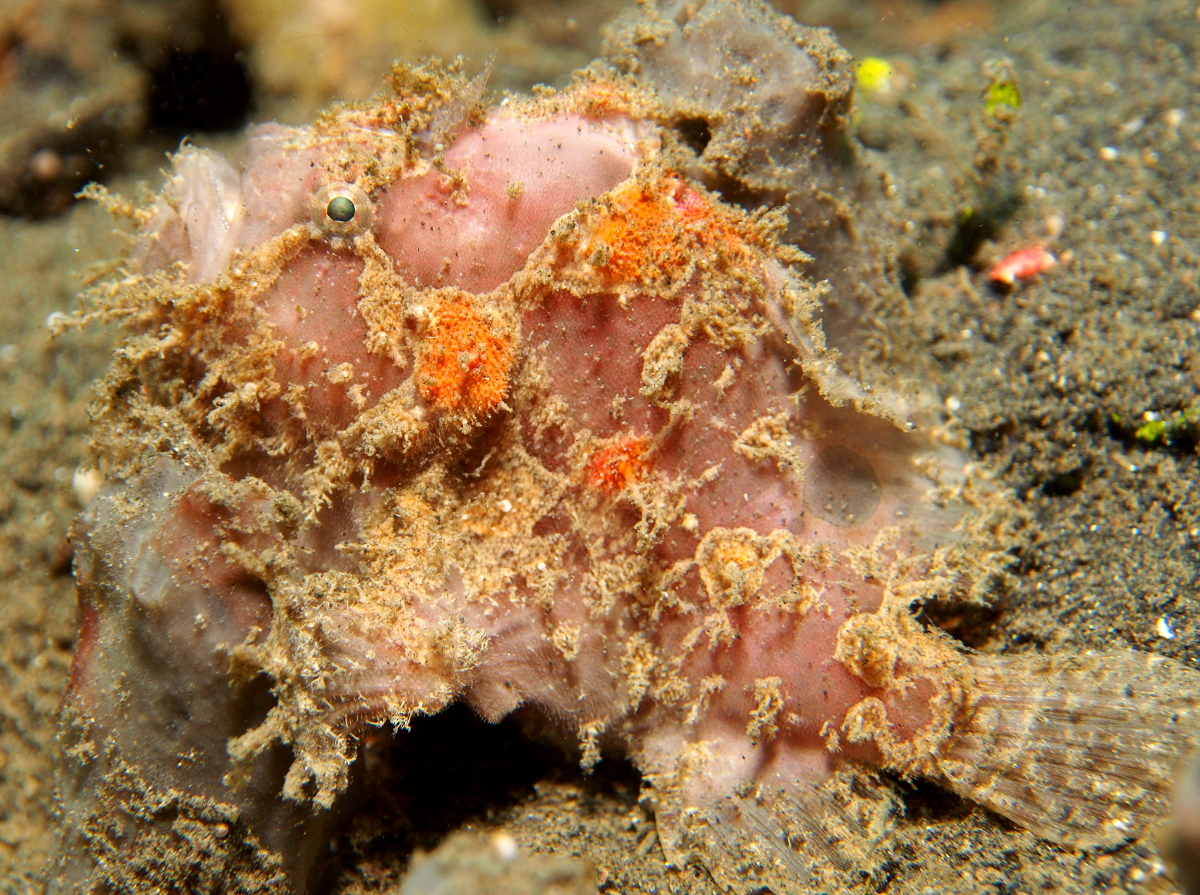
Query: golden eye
{"type": "Point", "coordinates": [342, 210]}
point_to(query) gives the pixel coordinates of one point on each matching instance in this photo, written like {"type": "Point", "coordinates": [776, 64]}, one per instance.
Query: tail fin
{"type": "Point", "coordinates": [1083, 751]}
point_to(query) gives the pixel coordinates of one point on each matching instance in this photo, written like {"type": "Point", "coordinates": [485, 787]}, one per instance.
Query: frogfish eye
{"type": "Point", "coordinates": [342, 210]}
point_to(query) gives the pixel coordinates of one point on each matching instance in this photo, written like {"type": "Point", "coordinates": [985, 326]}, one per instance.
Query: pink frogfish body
{"type": "Point", "coordinates": [430, 403]}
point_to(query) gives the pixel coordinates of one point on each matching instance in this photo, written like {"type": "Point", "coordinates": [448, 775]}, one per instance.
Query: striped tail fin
{"type": "Point", "coordinates": [1083, 751]}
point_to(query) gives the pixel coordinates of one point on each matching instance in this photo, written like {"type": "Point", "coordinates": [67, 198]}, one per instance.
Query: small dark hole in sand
{"type": "Point", "coordinates": [971, 623]}
{"type": "Point", "coordinates": [925, 801]}
{"type": "Point", "coordinates": [695, 132]}
{"type": "Point", "coordinates": [1064, 484]}
{"type": "Point", "coordinates": [997, 203]}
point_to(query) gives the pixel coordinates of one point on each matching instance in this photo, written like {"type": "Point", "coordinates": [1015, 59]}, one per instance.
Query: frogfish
{"type": "Point", "coordinates": [530, 407]}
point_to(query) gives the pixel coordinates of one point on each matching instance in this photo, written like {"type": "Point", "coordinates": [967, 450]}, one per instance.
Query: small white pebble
{"type": "Point", "coordinates": [1109, 153]}
{"type": "Point", "coordinates": [505, 505]}
{"type": "Point", "coordinates": [54, 318]}
{"type": "Point", "coordinates": [1124, 462]}
{"type": "Point", "coordinates": [1158, 237]}
{"type": "Point", "coordinates": [504, 845]}
{"type": "Point", "coordinates": [1131, 127]}
{"type": "Point", "coordinates": [953, 404]}
{"type": "Point", "coordinates": [1055, 225]}
{"type": "Point", "coordinates": [1173, 118]}
{"type": "Point", "coordinates": [86, 484]}
{"type": "Point", "coordinates": [541, 567]}
{"type": "Point", "coordinates": [1165, 631]}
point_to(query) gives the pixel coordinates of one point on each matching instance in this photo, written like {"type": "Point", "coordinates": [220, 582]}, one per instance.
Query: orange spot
{"type": "Point", "coordinates": [655, 230]}
{"type": "Point", "coordinates": [466, 362]}
{"type": "Point", "coordinates": [617, 463]}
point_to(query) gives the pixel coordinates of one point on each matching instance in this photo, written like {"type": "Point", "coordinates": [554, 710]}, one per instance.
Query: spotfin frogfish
{"type": "Point", "coordinates": [431, 402]}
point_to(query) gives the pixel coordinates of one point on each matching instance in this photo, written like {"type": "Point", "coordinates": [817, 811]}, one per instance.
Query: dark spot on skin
{"type": "Point", "coordinates": [841, 488]}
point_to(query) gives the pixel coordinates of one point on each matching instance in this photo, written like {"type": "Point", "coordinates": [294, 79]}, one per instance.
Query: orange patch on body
{"type": "Point", "coordinates": [649, 231]}
{"type": "Point", "coordinates": [466, 361]}
{"type": "Point", "coordinates": [616, 464]}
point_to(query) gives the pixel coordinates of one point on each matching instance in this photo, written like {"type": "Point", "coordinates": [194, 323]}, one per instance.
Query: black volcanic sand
{"type": "Point", "coordinates": [1049, 383]}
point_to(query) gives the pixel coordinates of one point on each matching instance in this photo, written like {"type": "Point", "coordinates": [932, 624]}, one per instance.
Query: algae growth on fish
{"type": "Point", "coordinates": [431, 402]}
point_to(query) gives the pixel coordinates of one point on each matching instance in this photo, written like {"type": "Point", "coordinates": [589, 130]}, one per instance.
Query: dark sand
{"type": "Point", "coordinates": [1049, 383]}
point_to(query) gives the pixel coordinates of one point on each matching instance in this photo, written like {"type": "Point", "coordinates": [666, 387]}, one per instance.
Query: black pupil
{"type": "Point", "coordinates": [340, 209]}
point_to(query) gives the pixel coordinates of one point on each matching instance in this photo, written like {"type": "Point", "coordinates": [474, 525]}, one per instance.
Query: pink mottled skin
{"type": "Point", "coordinates": [423, 228]}
{"type": "Point", "coordinates": [477, 244]}
{"type": "Point", "coordinates": [576, 339]}
{"type": "Point", "coordinates": [433, 239]}
{"type": "Point", "coordinates": [543, 425]}
{"type": "Point", "coordinates": [523, 175]}
{"type": "Point", "coordinates": [329, 317]}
